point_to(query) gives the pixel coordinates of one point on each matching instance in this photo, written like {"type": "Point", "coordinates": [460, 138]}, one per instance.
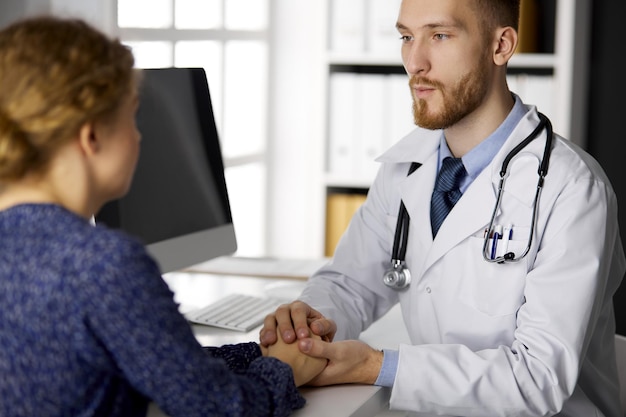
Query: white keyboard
{"type": "Point", "coordinates": [235, 312]}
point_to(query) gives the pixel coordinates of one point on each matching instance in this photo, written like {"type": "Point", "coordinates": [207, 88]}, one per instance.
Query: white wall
{"type": "Point", "coordinates": [11, 10]}
{"type": "Point", "coordinates": [295, 155]}
{"type": "Point", "coordinates": [97, 12]}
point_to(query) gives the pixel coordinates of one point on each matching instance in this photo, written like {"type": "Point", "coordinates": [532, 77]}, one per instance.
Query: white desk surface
{"type": "Point", "coordinates": [194, 290]}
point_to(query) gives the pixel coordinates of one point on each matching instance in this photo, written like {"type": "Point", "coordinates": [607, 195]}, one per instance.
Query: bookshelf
{"type": "Point", "coordinates": [363, 54]}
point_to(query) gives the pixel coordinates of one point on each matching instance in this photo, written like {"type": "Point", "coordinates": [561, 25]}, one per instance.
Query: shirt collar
{"type": "Point", "coordinates": [481, 155]}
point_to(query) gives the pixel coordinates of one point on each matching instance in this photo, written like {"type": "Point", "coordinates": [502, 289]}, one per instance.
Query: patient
{"type": "Point", "coordinates": [87, 325]}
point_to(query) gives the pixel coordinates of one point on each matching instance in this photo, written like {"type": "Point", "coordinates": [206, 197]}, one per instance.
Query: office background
{"type": "Point", "coordinates": [606, 137]}
{"type": "Point", "coordinates": [278, 186]}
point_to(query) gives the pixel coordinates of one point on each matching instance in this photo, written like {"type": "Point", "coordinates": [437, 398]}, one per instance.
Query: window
{"type": "Point", "coordinates": [229, 39]}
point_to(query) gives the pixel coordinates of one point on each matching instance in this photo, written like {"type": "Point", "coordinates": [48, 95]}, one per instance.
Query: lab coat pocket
{"type": "Point", "coordinates": [491, 288]}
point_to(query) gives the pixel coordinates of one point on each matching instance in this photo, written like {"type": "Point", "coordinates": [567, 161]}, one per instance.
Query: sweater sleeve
{"type": "Point", "coordinates": [138, 333]}
{"type": "Point", "coordinates": [237, 357]}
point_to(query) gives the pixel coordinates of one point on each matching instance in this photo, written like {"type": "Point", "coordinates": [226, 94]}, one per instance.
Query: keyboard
{"type": "Point", "coordinates": [235, 312]}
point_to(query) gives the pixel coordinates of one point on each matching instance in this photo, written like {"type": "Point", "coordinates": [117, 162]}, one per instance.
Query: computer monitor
{"type": "Point", "coordinates": [178, 202]}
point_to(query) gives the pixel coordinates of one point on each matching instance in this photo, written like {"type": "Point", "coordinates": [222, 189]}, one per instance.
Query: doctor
{"type": "Point", "coordinates": [532, 336]}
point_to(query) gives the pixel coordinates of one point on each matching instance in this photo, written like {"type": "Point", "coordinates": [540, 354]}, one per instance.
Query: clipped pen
{"type": "Point", "coordinates": [507, 235]}
{"type": "Point", "coordinates": [497, 235]}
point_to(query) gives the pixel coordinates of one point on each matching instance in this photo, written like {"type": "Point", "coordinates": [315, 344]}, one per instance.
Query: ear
{"type": "Point", "coordinates": [88, 139]}
{"type": "Point", "coordinates": [505, 46]}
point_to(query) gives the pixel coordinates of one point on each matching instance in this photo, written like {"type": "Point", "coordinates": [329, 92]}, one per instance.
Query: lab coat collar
{"type": "Point", "coordinates": [417, 146]}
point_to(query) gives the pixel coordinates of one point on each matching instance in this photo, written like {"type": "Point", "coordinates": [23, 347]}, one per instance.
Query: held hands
{"type": "Point", "coordinates": [289, 323]}
{"type": "Point", "coordinates": [304, 367]}
{"type": "Point", "coordinates": [348, 361]}
{"type": "Point", "coordinates": [296, 321]}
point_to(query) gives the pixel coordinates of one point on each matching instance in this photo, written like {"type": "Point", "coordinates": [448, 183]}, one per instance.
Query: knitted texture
{"type": "Point", "coordinates": [89, 328]}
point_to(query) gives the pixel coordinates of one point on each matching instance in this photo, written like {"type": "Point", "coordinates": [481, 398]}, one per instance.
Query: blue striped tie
{"type": "Point", "coordinates": [446, 192]}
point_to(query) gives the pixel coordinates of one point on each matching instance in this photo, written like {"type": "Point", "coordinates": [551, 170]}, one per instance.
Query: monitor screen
{"type": "Point", "coordinates": [177, 203]}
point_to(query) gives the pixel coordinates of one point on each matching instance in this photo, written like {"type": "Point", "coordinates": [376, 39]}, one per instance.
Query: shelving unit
{"type": "Point", "coordinates": [560, 65]}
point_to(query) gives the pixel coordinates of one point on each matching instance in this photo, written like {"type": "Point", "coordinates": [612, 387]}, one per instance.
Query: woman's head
{"type": "Point", "coordinates": [55, 76]}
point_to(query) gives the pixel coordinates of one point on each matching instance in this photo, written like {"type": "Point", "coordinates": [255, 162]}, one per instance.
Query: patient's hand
{"type": "Point", "coordinates": [304, 367]}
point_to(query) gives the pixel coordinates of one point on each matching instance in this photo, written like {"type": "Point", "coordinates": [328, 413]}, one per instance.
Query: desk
{"type": "Point", "coordinates": [194, 290]}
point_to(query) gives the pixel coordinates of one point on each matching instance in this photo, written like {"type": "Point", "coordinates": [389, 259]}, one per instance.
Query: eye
{"type": "Point", "coordinates": [441, 36]}
{"type": "Point", "coordinates": [406, 38]}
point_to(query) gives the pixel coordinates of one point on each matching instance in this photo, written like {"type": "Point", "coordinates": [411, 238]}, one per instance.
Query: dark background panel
{"type": "Point", "coordinates": [606, 139]}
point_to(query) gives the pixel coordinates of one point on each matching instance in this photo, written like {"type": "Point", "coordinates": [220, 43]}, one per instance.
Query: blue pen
{"type": "Point", "coordinates": [497, 234]}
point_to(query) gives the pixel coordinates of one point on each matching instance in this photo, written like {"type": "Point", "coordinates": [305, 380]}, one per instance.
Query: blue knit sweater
{"type": "Point", "coordinates": [89, 328]}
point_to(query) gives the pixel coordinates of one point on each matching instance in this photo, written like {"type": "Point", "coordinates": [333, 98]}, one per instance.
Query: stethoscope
{"type": "Point", "coordinates": [399, 276]}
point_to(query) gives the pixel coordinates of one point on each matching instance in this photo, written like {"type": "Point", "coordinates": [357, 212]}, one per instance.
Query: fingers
{"type": "Point", "coordinates": [324, 328]}
{"type": "Point", "coordinates": [296, 321]}
{"type": "Point", "coordinates": [285, 320]}
{"type": "Point", "coordinates": [316, 348]}
{"type": "Point", "coordinates": [287, 317]}
{"type": "Point", "coordinates": [349, 361]}
{"type": "Point", "coordinates": [267, 335]}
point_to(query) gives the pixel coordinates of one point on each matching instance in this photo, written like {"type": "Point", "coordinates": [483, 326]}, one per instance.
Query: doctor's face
{"type": "Point", "coordinates": [445, 54]}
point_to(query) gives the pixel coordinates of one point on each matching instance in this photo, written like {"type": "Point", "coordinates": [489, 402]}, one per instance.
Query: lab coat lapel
{"type": "Point", "coordinates": [472, 213]}
{"type": "Point", "coordinates": [416, 191]}
{"type": "Point", "coordinates": [470, 216]}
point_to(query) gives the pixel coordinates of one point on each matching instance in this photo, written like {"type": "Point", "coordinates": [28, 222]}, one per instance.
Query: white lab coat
{"type": "Point", "coordinates": [533, 338]}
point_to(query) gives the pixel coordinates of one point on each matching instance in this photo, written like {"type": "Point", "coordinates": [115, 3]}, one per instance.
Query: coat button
{"type": "Point", "coordinates": [428, 290]}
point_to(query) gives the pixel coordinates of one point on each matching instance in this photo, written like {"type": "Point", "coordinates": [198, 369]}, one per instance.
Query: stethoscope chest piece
{"type": "Point", "coordinates": [398, 277]}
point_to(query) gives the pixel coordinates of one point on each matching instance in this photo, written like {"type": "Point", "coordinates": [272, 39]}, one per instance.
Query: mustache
{"type": "Point", "coordinates": [422, 81]}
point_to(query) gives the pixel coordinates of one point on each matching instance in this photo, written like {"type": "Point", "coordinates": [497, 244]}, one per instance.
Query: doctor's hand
{"type": "Point", "coordinates": [349, 361]}
{"type": "Point", "coordinates": [295, 321]}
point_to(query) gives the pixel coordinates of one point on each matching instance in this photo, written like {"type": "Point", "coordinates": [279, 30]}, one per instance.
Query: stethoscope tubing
{"type": "Point", "coordinates": [402, 226]}
{"type": "Point", "coordinates": [544, 122]}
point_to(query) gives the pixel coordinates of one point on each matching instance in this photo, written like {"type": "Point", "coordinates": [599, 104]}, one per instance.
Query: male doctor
{"type": "Point", "coordinates": [533, 336]}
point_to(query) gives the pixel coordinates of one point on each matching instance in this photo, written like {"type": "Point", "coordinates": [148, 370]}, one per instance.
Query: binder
{"type": "Point", "coordinates": [528, 33]}
{"type": "Point", "coordinates": [382, 35]}
{"type": "Point", "coordinates": [401, 121]}
{"type": "Point", "coordinates": [372, 107]}
{"type": "Point", "coordinates": [347, 26]}
{"type": "Point", "coordinates": [342, 122]}
{"type": "Point", "coordinates": [340, 208]}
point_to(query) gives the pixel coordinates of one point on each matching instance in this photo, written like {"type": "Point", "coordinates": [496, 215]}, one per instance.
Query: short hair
{"type": "Point", "coordinates": [498, 13]}
{"type": "Point", "coordinates": [55, 75]}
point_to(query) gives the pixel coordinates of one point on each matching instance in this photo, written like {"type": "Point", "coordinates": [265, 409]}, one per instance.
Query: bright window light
{"type": "Point", "coordinates": [152, 54]}
{"type": "Point", "coordinates": [245, 97]}
{"type": "Point", "coordinates": [198, 14]}
{"type": "Point", "coordinates": [247, 14]}
{"type": "Point", "coordinates": [144, 13]}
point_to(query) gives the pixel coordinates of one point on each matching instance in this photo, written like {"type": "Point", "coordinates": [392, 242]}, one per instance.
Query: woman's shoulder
{"type": "Point", "coordinates": [85, 246]}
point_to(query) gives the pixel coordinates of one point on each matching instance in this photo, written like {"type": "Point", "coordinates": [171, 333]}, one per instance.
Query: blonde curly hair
{"type": "Point", "coordinates": [55, 76]}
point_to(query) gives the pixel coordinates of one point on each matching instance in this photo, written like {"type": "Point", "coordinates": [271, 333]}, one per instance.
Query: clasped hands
{"type": "Point", "coordinates": [301, 336]}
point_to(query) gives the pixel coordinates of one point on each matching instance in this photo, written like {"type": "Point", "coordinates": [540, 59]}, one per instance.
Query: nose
{"type": "Point", "coordinates": [414, 58]}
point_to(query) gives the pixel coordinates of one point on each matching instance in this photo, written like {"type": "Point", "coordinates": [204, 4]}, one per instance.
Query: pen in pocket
{"type": "Point", "coordinates": [497, 235]}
